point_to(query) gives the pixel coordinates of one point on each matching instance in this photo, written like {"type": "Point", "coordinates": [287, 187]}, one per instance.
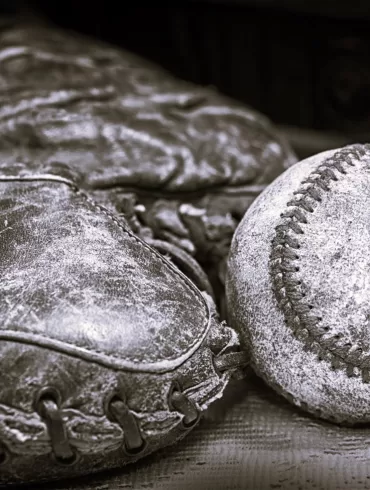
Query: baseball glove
{"type": "Point", "coordinates": [107, 350]}
{"type": "Point", "coordinates": [181, 163]}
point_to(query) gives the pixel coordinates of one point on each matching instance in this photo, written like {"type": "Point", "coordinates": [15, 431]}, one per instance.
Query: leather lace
{"type": "Point", "coordinates": [125, 418]}
{"type": "Point", "coordinates": [50, 412]}
{"type": "Point", "coordinates": [231, 361]}
{"type": "Point", "coordinates": [184, 405]}
{"type": "Point", "coordinates": [48, 407]}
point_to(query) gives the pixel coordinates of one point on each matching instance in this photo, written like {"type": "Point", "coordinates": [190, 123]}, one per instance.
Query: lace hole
{"type": "Point", "coordinates": [62, 452]}
{"type": "Point", "coordinates": [111, 398]}
{"type": "Point", "coordinates": [173, 388]}
{"type": "Point", "coordinates": [50, 393]}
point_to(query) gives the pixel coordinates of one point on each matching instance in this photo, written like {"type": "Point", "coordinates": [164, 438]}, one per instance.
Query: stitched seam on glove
{"type": "Point", "coordinates": [101, 357]}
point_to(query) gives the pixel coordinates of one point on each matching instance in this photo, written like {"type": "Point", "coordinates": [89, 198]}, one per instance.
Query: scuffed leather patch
{"type": "Point", "coordinates": [75, 279]}
{"type": "Point", "coordinates": [183, 161]}
{"type": "Point", "coordinates": [119, 120]}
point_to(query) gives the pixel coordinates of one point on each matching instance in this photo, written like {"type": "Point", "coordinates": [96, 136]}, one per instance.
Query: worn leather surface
{"type": "Point", "coordinates": [182, 162]}
{"type": "Point", "coordinates": [302, 304]}
{"type": "Point", "coordinates": [91, 310]}
{"type": "Point", "coordinates": [252, 439]}
{"type": "Point", "coordinates": [60, 254]}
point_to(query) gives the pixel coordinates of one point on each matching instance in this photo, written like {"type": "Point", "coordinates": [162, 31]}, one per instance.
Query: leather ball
{"type": "Point", "coordinates": [298, 284]}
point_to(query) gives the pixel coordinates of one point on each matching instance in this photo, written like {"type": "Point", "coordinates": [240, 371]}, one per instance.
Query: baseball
{"type": "Point", "coordinates": [298, 284]}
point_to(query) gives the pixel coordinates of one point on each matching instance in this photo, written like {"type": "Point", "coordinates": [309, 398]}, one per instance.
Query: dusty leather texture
{"type": "Point", "coordinates": [92, 311]}
{"type": "Point", "coordinates": [99, 151]}
{"type": "Point", "coordinates": [251, 439]}
{"type": "Point", "coordinates": [298, 284]}
{"type": "Point", "coordinates": [181, 162]}
{"type": "Point", "coordinates": [60, 253]}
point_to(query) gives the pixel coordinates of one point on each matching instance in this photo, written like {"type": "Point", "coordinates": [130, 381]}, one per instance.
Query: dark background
{"type": "Point", "coordinates": [306, 64]}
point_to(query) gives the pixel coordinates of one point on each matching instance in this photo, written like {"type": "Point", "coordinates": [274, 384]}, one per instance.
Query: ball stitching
{"type": "Point", "coordinates": [288, 291]}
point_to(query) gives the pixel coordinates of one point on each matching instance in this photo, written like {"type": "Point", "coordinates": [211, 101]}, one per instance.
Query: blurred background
{"type": "Point", "coordinates": [305, 64]}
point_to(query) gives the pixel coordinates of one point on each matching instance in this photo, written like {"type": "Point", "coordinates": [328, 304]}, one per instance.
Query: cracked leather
{"type": "Point", "coordinates": [92, 311]}
{"type": "Point", "coordinates": [181, 162]}
{"type": "Point", "coordinates": [102, 154]}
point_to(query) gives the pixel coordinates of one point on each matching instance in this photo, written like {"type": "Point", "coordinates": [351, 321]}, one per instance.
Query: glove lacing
{"type": "Point", "coordinates": [48, 402]}
{"type": "Point", "coordinates": [48, 406]}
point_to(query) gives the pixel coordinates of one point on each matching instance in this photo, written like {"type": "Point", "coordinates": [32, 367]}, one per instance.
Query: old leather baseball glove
{"type": "Point", "coordinates": [181, 163]}
{"type": "Point", "coordinates": [107, 351]}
